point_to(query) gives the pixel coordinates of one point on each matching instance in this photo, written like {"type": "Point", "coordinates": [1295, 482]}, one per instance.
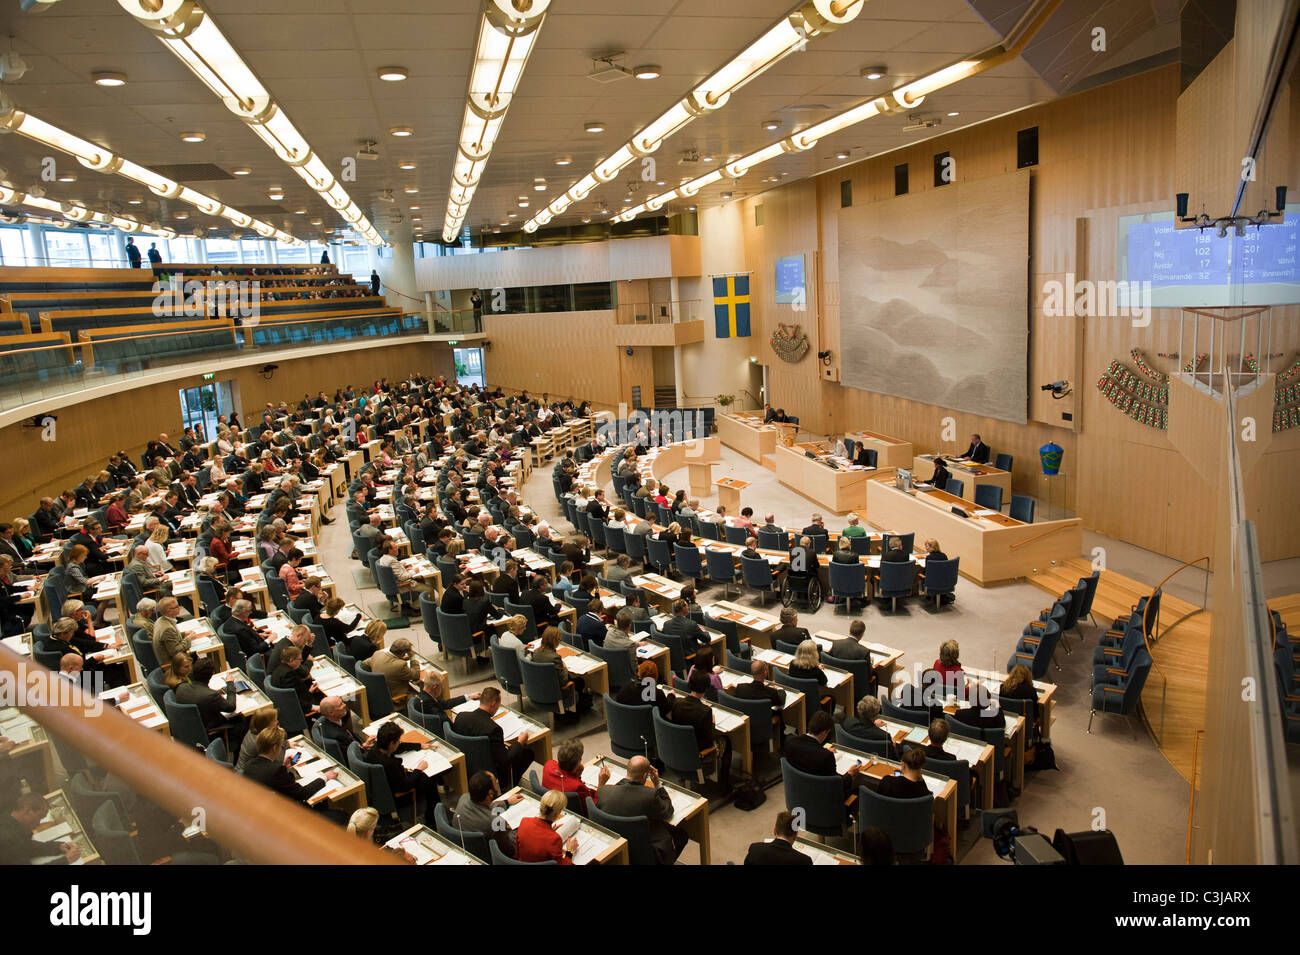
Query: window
{"type": "Point", "coordinates": [758, 215]}
{"type": "Point", "coordinates": [253, 250]}
{"type": "Point", "coordinates": [1027, 147]}
{"type": "Point", "coordinates": [222, 251]}
{"type": "Point", "coordinates": [66, 248]}
{"type": "Point", "coordinates": [291, 255]}
{"type": "Point", "coordinates": [943, 169]}
{"type": "Point", "coordinates": [900, 179]}
{"type": "Point", "coordinates": [12, 249]}
{"type": "Point", "coordinates": [356, 260]}
{"type": "Point", "coordinates": [846, 193]}
{"type": "Point", "coordinates": [106, 249]}
{"type": "Point", "coordinates": [181, 249]}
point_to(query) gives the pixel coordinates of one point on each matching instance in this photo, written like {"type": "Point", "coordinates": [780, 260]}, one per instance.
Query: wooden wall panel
{"type": "Point", "coordinates": [88, 433]}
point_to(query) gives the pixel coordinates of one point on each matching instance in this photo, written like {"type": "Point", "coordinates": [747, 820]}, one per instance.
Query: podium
{"type": "Point", "coordinates": [729, 493]}
{"type": "Point", "coordinates": [701, 473]}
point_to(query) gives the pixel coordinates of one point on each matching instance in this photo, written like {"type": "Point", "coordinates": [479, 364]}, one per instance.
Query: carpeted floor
{"type": "Point", "coordinates": [1114, 777]}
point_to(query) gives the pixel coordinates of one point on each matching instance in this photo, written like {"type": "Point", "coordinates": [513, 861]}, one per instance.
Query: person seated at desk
{"type": "Point", "coordinates": [850, 647]}
{"type": "Point", "coordinates": [808, 753]}
{"type": "Point", "coordinates": [290, 675]}
{"type": "Point", "coordinates": [648, 490]}
{"type": "Point", "coordinates": [620, 570]}
{"type": "Point", "coordinates": [940, 477]}
{"type": "Point", "coordinates": [591, 626]}
{"type": "Point", "coordinates": [769, 414]}
{"type": "Point", "coordinates": [854, 529]}
{"type": "Point", "coordinates": [894, 552]}
{"type": "Point", "coordinates": [335, 629]}
{"type": "Point", "coordinates": [260, 720]}
{"type": "Point", "coordinates": [453, 597]}
{"type": "Point", "coordinates": [218, 710]}
{"type": "Point", "coordinates": [397, 670]}
{"type": "Point", "coordinates": [15, 616]}
{"type": "Point", "coordinates": [511, 761]}
{"type": "Point", "coordinates": [1019, 684]}
{"type": "Point", "coordinates": [428, 701]}
{"type": "Point", "coordinates": [770, 526]}
{"type": "Point", "coordinates": [512, 637]}
{"type": "Point", "coordinates": [478, 809]}
{"type": "Point", "coordinates": [288, 572]}
{"type": "Point", "coordinates": [675, 534]}
{"type": "Point", "coordinates": [576, 551]}
{"type": "Point", "coordinates": [644, 690]}
{"type": "Point", "coordinates": [478, 607]}
{"type": "Point", "coordinates": [948, 666]}
{"type": "Point", "coordinates": [537, 596]}
{"type": "Point", "coordinates": [690, 710]}
{"type": "Point", "coordinates": [536, 839]}
{"type": "Point", "coordinates": [18, 847]}
{"type": "Point", "coordinates": [977, 452]}
{"type": "Point", "coordinates": [270, 767]}
{"type": "Point", "coordinates": [548, 651]}
{"type": "Point", "coordinates": [598, 507]}
{"type": "Point", "coordinates": [564, 582]}
{"type": "Point", "coordinates": [704, 663]}
{"type": "Point", "coordinates": [688, 594]}
{"type": "Point", "coordinates": [167, 638]}
{"type": "Point", "coordinates": [564, 772]}
{"type": "Point", "coordinates": [240, 626]}
{"type": "Point", "coordinates": [807, 665]}
{"type": "Point", "coordinates": [867, 724]}
{"type": "Point", "coordinates": [910, 783]}
{"type": "Point", "coordinates": [818, 526]}
{"type": "Point", "coordinates": [311, 598]}
{"type": "Point", "coordinates": [681, 625]}
{"type": "Point", "coordinates": [938, 736]}
{"type": "Point", "coordinates": [932, 551]}
{"type": "Point", "coordinates": [586, 590]}
{"type": "Point", "coordinates": [336, 724]}
{"type": "Point", "coordinates": [507, 581]}
{"type": "Point", "coordinates": [801, 563]}
{"type": "Point", "coordinates": [618, 635]}
{"type": "Point", "coordinates": [790, 631]}
{"type": "Point", "coordinates": [844, 553]}
{"type": "Point", "coordinates": [751, 549]}
{"type": "Point", "coordinates": [407, 785]}
{"type": "Point", "coordinates": [780, 849]}
{"type": "Point", "coordinates": [640, 793]}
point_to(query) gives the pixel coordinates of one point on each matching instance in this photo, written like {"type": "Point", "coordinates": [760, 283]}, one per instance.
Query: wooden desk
{"type": "Point", "coordinates": [346, 793]}
{"type": "Point", "coordinates": [593, 670]}
{"type": "Point", "coordinates": [747, 434]}
{"type": "Point", "coordinates": [992, 681]}
{"type": "Point", "coordinates": [822, 854]}
{"type": "Point", "coordinates": [701, 473]}
{"type": "Point", "coordinates": [423, 846]}
{"type": "Point", "coordinates": [690, 810]}
{"type": "Point", "coordinates": [839, 683]}
{"type": "Point", "coordinates": [890, 452]}
{"type": "Point", "coordinates": [840, 491]}
{"type": "Point", "coordinates": [884, 660]}
{"type": "Point", "coordinates": [539, 734]}
{"type": "Point", "coordinates": [729, 493]}
{"type": "Point", "coordinates": [30, 741]}
{"type": "Point", "coordinates": [456, 778]}
{"type": "Point", "coordinates": [970, 475]}
{"type": "Point", "coordinates": [730, 723]}
{"type": "Point", "coordinates": [795, 710]}
{"type": "Point", "coordinates": [993, 549]}
{"type": "Point", "coordinates": [138, 703]}
{"type": "Point", "coordinates": [61, 813]}
{"type": "Point", "coordinates": [976, 752]}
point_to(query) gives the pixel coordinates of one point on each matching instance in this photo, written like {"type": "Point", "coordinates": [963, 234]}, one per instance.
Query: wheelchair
{"type": "Point", "coordinates": [808, 589]}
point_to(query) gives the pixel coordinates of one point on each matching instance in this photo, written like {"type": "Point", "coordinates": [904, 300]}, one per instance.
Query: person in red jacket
{"type": "Point", "coordinates": [537, 841]}
{"type": "Point", "coordinates": [564, 772]}
{"type": "Point", "coordinates": [948, 666]}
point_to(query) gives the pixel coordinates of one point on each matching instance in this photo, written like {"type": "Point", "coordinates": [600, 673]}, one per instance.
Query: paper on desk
{"type": "Point", "coordinates": [524, 809]}
{"type": "Point", "coordinates": [435, 763]}
{"type": "Point", "coordinates": [53, 833]}
{"type": "Point", "coordinates": [157, 719]}
{"type": "Point", "coordinates": [845, 761]}
{"type": "Point", "coordinates": [725, 722]}
{"type": "Point", "coordinates": [331, 786]}
{"type": "Point", "coordinates": [511, 724]}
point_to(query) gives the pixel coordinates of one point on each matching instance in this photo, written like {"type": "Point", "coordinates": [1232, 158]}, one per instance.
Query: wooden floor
{"type": "Point", "coordinates": [1289, 608]}
{"type": "Point", "coordinates": [1175, 705]}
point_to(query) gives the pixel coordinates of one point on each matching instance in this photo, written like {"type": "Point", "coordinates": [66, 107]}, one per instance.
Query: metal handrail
{"type": "Point", "coordinates": [1205, 596]}
{"type": "Point", "coordinates": [1191, 801]}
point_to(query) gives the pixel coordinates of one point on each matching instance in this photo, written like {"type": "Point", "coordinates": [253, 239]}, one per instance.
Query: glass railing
{"type": "Point", "coordinates": [33, 374]}
{"type": "Point", "coordinates": [658, 312]}
{"type": "Point", "coordinates": [462, 321]}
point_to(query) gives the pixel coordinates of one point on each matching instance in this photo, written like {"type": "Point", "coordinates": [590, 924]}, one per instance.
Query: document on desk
{"type": "Point", "coordinates": [331, 786]}
{"type": "Point", "coordinates": [581, 663]}
{"type": "Point", "coordinates": [725, 721]}
{"type": "Point", "coordinates": [846, 761]}
{"type": "Point", "coordinates": [524, 809]}
{"type": "Point", "coordinates": [434, 762]}
{"type": "Point", "coordinates": [53, 833]}
{"type": "Point", "coordinates": [916, 735]}
{"type": "Point", "coordinates": [18, 732]}
{"type": "Point", "coordinates": [590, 843]}
{"type": "Point", "coordinates": [512, 724]}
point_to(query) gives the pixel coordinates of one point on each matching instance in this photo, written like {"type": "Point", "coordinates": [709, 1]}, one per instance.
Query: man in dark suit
{"type": "Point", "coordinates": [311, 599]}
{"type": "Point", "coordinates": [590, 625]}
{"type": "Point", "coordinates": [781, 850]}
{"type": "Point", "coordinates": [336, 724]}
{"type": "Point", "coordinates": [511, 761]}
{"type": "Point", "coordinates": [575, 551]}
{"type": "Point", "coordinates": [269, 768]}
{"type": "Point", "coordinates": [428, 701]}
{"type": "Point", "coordinates": [641, 794]}
{"type": "Point", "coordinates": [239, 625]}
{"type": "Point", "coordinates": [790, 631]}
{"type": "Point", "coordinates": [17, 847]}
{"type": "Point", "coordinates": [692, 711]}
{"type": "Point", "coordinates": [978, 450]}
{"type": "Point", "coordinates": [865, 724]}
{"type": "Point", "coordinates": [759, 689]}
{"type": "Point", "coordinates": [818, 526]}
{"type": "Point", "coordinates": [507, 581]}
{"type": "Point", "coordinates": [9, 549]}
{"type": "Point", "coordinates": [414, 781]}
{"type": "Point", "coordinates": [681, 625]}
{"type": "Point", "coordinates": [536, 596]}
{"type": "Point", "coordinates": [894, 552]}
{"type": "Point", "coordinates": [938, 736]}
{"type": "Point", "coordinates": [290, 675]}
{"type": "Point", "coordinates": [808, 753]}
{"type": "Point", "coordinates": [597, 508]}
{"type": "Point", "coordinates": [850, 647]}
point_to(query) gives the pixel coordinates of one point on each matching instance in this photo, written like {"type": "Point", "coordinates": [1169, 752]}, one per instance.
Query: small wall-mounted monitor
{"type": "Point", "coordinates": [790, 281]}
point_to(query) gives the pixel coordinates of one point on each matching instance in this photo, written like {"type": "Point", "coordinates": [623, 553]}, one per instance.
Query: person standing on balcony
{"type": "Point", "coordinates": [132, 253]}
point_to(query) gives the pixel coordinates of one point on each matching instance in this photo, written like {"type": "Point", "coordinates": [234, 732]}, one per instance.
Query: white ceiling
{"type": "Point", "coordinates": [319, 59]}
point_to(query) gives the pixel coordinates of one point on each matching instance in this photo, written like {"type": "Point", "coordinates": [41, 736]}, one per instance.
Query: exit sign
{"type": "Point", "coordinates": [453, 342]}
{"type": "Point", "coordinates": [209, 376]}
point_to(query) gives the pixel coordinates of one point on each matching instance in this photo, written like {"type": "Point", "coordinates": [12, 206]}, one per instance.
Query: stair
{"type": "Point", "coordinates": [769, 462]}
{"type": "Point", "coordinates": [1117, 594]}
{"type": "Point", "coordinates": [1289, 608]}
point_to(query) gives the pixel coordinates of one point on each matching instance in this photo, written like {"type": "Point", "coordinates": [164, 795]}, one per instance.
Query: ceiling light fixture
{"type": "Point", "coordinates": [873, 72]}
{"type": "Point", "coordinates": [507, 33]}
{"type": "Point", "coordinates": [411, 190]}
{"type": "Point", "coordinates": [78, 213]}
{"type": "Point", "coordinates": [194, 136]}
{"type": "Point", "coordinates": [106, 78]}
{"type": "Point", "coordinates": [539, 185]}
{"type": "Point", "coordinates": [241, 171]}
{"type": "Point", "coordinates": [842, 154]}
{"type": "Point", "coordinates": [771, 124]}
{"type": "Point", "coordinates": [563, 160]}
{"type": "Point", "coordinates": [392, 74]}
{"type": "Point", "coordinates": [648, 71]}
{"type": "Point", "coordinates": [812, 18]}
{"type": "Point", "coordinates": [67, 177]}
{"type": "Point", "coordinates": [897, 101]}
{"type": "Point", "coordinates": [406, 166]}
{"type": "Point", "coordinates": [401, 131]}
{"type": "Point", "coordinates": [101, 159]}
{"type": "Point", "coordinates": [954, 113]}
{"type": "Point", "coordinates": [594, 127]}
{"type": "Point", "coordinates": [184, 27]}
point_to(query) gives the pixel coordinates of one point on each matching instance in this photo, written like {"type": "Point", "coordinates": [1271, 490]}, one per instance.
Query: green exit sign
{"type": "Point", "coordinates": [209, 376]}
{"type": "Point", "coordinates": [453, 342]}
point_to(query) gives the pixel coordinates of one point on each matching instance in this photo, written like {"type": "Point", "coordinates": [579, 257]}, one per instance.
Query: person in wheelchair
{"type": "Point", "coordinates": [801, 577]}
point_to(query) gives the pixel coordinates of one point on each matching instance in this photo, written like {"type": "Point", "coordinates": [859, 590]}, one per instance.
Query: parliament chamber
{"type": "Point", "coordinates": [833, 433]}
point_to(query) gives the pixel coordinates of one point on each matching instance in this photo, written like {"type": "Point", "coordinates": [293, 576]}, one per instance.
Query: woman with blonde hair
{"type": "Point", "coordinates": [158, 550]}
{"type": "Point", "coordinates": [455, 547]}
{"type": "Point", "coordinates": [363, 822]}
{"type": "Point", "coordinates": [513, 635]}
{"type": "Point", "coordinates": [807, 664]}
{"type": "Point", "coordinates": [364, 644]}
{"type": "Point", "coordinates": [536, 839]}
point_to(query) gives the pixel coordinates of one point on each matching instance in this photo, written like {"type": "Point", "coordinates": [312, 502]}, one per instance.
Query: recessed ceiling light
{"type": "Point", "coordinates": [507, 222]}
{"type": "Point", "coordinates": [648, 71]}
{"type": "Point", "coordinates": [392, 74]}
{"type": "Point", "coordinates": [539, 185]}
{"type": "Point", "coordinates": [300, 212]}
{"type": "Point", "coordinates": [707, 158]}
{"type": "Point", "coordinates": [417, 218]}
{"type": "Point", "coordinates": [726, 195]}
{"type": "Point", "coordinates": [67, 177]}
{"type": "Point", "coordinates": [563, 160]}
{"type": "Point", "coordinates": [659, 183]}
{"type": "Point", "coordinates": [408, 165]}
{"type": "Point", "coordinates": [954, 113]}
{"type": "Point", "coordinates": [411, 190]}
{"type": "Point", "coordinates": [106, 78]}
{"type": "Point", "coordinates": [241, 171]}
{"type": "Point", "coordinates": [691, 208]}
{"type": "Point", "coordinates": [770, 124]}
{"type": "Point", "coordinates": [873, 72]}
{"type": "Point", "coordinates": [586, 218]}
{"type": "Point", "coordinates": [135, 202]}
{"type": "Point", "coordinates": [523, 203]}
{"type": "Point", "coordinates": [594, 127]}
{"type": "Point", "coordinates": [511, 214]}
{"type": "Point", "coordinates": [194, 136]}
{"type": "Point", "coordinates": [627, 198]}
{"type": "Point", "coordinates": [180, 215]}
{"type": "Point", "coordinates": [842, 154]}
{"type": "Point", "coordinates": [315, 221]}
{"type": "Point", "coordinates": [414, 208]}
{"type": "Point", "coordinates": [401, 131]}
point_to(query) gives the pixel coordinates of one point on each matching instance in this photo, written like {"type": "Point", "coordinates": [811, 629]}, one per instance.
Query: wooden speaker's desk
{"type": "Point", "coordinates": [840, 491]}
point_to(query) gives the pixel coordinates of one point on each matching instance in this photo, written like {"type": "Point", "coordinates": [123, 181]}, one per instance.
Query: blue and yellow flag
{"type": "Point", "coordinates": [731, 306]}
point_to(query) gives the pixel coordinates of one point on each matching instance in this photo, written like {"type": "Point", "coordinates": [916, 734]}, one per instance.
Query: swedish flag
{"type": "Point", "coordinates": [731, 306]}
